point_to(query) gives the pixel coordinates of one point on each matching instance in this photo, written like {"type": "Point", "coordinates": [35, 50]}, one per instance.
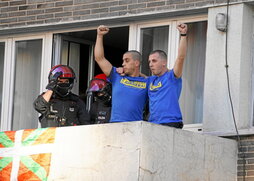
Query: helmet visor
{"type": "Point", "coordinates": [66, 72]}
{"type": "Point", "coordinates": [97, 85]}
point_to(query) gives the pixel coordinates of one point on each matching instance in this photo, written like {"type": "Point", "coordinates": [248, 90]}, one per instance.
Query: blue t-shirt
{"type": "Point", "coordinates": [164, 92]}
{"type": "Point", "coordinates": [129, 96]}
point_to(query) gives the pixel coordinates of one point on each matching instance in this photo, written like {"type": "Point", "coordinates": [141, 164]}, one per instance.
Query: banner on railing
{"type": "Point", "coordinates": [26, 154]}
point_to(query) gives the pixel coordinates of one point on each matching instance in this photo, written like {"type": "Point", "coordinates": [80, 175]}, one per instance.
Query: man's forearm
{"type": "Point", "coordinates": [103, 63]}
{"type": "Point", "coordinates": [182, 48]}
{"type": "Point", "coordinates": [99, 49]}
{"type": "Point", "coordinates": [178, 67]}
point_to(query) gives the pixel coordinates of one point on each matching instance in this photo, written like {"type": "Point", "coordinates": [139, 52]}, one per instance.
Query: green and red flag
{"type": "Point", "coordinates": [26, 154]}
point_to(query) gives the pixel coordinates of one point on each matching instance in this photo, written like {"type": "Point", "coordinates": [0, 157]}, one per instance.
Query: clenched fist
{"type": "Point", "coordinates": [182, 28]}
{"type": "Point", "coordinates": [102, 30]}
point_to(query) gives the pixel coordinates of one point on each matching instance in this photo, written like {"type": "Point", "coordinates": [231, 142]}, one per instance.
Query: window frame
{"type": "Point", "coordinates": [5, 74]}
{"type": "Point", "coordinates": [135, 33]}
{"type": "Point", "coordinates": [173, 39]}
{"type": "Point", "coordinates": [9, 72]}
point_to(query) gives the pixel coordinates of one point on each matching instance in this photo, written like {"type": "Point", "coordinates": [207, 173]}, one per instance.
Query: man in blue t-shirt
{"type": "Point", "coordinates": [165, 85]}
{"type": "Point", "coordinates": [129, 92]}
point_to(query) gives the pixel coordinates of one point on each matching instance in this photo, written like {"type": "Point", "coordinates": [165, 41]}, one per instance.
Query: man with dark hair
{"type": "Point", "coordinates": [165, 85]}
{"type": "Point", "coordinates": [129, 92]}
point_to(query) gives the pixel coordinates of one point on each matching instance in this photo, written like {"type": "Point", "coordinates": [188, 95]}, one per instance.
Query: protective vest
{"type": "Point", "coordinates": [100, 112]}
{"type": "Point", "coordinates": [59, 111]}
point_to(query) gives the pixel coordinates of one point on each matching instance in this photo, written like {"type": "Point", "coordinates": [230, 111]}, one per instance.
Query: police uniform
{"type": "Point", "coordinates": [101, 90]}
{"type": "Point", "coordinates": [61, 111]}
{"type": "Point", "coordinates": [100, 112]}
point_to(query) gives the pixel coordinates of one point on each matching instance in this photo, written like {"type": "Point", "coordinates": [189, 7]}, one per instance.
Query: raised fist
{"type": "Point", "coordinates": [182, 28]}
{"type": "Point", "coordinates": [102, 30]}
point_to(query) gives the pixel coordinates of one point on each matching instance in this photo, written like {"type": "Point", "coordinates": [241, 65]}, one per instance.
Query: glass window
{"type": "Point", "coordinates": [2, 49]}
{"type": "Point", "coordinates": [154, 38]}
{"type": "Point", "coordinates": [70, 55]}
{"type": "Point", "coordinates": [192, 95]}
{"type": "Point", "coordinates": [74, 59]}
{"type": "Point", "coordinates": [27, 83]}
{"type": "Point", "coordinates": [65, 51]}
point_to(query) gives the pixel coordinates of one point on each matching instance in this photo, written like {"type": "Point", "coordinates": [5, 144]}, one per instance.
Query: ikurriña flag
{"type": "Point", "coordinates": [26, 154]}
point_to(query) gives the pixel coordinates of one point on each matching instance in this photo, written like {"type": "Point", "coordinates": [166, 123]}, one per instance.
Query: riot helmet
{"type": "Point", "coordinates": [65, 80]}
{"type": "Point", "coordinates": [101, 88]}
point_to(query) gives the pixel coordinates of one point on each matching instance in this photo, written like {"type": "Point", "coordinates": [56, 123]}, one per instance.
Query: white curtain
{"type": "Point", "coordinates": [64, 53]}
{"type": "Point", "coordinates": [70, 55]}
{"type": "Point", "coordinates": [191, 100]}
{"type": "Point", "coordinates": [2, 48]}
{"type": "Point", "coordinates": [27, 83]}
{"type": "Point", "coordinates": [74, 57]}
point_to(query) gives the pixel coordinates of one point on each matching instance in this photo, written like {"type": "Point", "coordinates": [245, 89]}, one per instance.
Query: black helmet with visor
{"type": "Point", "coordinates": [67, 75]}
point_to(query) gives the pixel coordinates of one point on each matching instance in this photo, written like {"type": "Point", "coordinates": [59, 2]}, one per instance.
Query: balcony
{"type": "Point", "coordinates": [119, 151]}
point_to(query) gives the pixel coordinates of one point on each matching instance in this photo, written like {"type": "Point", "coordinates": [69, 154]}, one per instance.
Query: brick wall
{"type": "Point", "coordinates": [248, 149]}
{"type": "Point", "coordinates": [17, 13]}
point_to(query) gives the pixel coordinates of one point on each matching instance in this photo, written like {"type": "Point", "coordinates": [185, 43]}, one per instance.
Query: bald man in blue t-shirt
{"type": "Point", "coordinates": [129, 92]}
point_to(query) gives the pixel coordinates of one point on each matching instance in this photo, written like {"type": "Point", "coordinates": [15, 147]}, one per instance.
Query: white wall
{"type": "Point", "coordinates": [135, 151]}
{"type": "Point", "coordinates": [217, 115]}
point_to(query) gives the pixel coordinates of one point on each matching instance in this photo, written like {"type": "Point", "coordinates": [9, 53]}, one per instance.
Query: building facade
{"type": "Point", "coordinates": [37, 34]}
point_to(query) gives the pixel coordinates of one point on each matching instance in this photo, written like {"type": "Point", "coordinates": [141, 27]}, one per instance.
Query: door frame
{"type": "Point", "coordinates": [58, 41]}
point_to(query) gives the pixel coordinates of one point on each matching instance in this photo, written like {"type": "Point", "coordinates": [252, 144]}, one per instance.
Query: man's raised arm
{"type": "Point", "coordinates": [178, 67]}
{"type": "Point", "coordinates": [103, 63]}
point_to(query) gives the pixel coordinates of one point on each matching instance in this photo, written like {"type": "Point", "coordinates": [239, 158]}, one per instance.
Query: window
{"type": "Point", "coordinates": [193, 74]}
{"type": "Point", "coordinates": [2, 49]}
{"type": "Point", "coordinates": [152, 39]}
{"type": "Point", "coordinates": [165, 37]}
{"type": "Point", "coordinates": [28, 56]}
{"type": "Point", "coordinates": [71, 56]}
{"type": "Point", "coordinates": [76, 49]}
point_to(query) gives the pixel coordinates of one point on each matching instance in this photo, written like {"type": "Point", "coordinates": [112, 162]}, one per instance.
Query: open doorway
{"type": "Point", "coordinates": [76, 49]}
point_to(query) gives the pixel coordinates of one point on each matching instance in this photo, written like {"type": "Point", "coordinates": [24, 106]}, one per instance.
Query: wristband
{"type": "Point", "coordinates": [184, 34]}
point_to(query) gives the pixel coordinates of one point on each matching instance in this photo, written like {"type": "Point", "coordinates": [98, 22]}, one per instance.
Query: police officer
{"type": "Point", "coordinates": [58, 106]}
{"type": "Point", "coordinates": [100, 90]}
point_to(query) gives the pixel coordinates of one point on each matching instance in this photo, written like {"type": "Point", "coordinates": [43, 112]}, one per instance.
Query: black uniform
{"type": "Point", "coordinates": [61, 111]}
{"type": "Point", "coordinates": [100, 112]}
{"type": "Point", "coordinates": [100, 90]}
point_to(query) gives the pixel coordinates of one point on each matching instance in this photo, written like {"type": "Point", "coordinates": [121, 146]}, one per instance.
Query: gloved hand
{"type": "Point", "coordinates": [52, 84]}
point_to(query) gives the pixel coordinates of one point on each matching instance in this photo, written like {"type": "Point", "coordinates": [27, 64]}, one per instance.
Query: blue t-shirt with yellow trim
{"type": "Point", "coordinates": [129, 96]}
{"type": "Point", "coordinates": [164, 92]}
